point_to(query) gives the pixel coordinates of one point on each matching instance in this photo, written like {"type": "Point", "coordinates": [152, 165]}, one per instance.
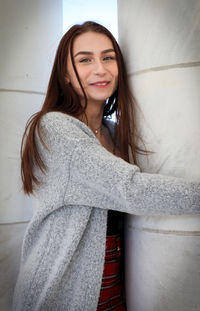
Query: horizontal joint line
{"type": "Point", "coordinates": [163, 231]}
{"type": "Point", "coordinates": [15, 223]}
{"type": "Point", "coordinates": [22, 91]}
{"type": "Point", "coordinates": [167, 67]}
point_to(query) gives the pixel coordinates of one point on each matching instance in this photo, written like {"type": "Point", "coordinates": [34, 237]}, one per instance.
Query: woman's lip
{"type": "Point", "coordinates": [100, 84]}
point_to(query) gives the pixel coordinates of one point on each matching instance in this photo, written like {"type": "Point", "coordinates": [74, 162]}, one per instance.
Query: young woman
{"type": "Point", "coordinates": [76, 162]}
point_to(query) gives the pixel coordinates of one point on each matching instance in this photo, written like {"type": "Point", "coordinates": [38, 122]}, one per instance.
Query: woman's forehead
{"type": "Point", "coordinates": [91, 42]}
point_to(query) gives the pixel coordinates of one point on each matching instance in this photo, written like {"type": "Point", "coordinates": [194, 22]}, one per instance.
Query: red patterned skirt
{"type": "Point", "coordinates": [111, 293]}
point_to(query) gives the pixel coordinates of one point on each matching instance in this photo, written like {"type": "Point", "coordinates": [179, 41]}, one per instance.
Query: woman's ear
{"type": "Point", "coordinates": [67, 79]}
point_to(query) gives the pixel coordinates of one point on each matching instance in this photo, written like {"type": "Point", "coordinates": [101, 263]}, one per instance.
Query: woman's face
{"type": "Point", "coordinates": [96, 64]}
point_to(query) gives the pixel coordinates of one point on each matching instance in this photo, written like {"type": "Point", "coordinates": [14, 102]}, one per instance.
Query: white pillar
{"type": "Point", "coordinates": [30, 32]}
{"type": "Point", "coordinates": [161, 44]}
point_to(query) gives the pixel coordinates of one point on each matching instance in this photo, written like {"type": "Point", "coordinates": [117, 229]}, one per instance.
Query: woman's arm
{"type": "Point", "coordinates": [103, 180]}
{"type": "Point", "coordinates": [91, 176]}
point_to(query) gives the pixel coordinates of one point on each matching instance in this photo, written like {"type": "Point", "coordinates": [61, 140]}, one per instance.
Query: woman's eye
{"type": "Point", "coordinates": [84, 60]}
{"type": "Point", "coordinates": [109, 58]}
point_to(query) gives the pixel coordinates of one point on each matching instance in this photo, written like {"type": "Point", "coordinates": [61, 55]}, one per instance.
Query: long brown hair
{"type": "Point", "coordinates": [61, 97]}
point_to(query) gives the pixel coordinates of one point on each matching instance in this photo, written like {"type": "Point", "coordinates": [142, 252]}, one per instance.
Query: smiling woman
{"type": "Point", "coordinates": [96, 65]}
{"type": "Point", "coordinates": [77, 163]}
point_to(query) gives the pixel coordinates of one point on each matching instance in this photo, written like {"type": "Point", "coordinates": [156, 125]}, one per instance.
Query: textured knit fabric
{"type": "Point", "coordinates": [64, 245]}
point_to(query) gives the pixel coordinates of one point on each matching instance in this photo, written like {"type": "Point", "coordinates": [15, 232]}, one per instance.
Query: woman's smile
{"type": "Point", "coordinates": [100, 84]}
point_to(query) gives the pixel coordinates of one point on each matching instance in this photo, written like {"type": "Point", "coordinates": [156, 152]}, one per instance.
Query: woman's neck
{"type": "Point", "coordinates": [93, 117]}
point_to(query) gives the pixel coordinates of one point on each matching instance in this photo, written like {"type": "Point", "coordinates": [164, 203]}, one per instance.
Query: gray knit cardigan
{"type": "Point", "coordinates": [63, 249]}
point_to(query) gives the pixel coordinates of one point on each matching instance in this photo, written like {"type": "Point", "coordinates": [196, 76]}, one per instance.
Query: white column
{"type": "Point", "coordinates": [161, 44]}
{"type": "Point", "coordinates": [30, 32]}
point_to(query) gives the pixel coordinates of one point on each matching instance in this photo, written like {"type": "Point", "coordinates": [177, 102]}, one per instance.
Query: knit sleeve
{"type": "Point", "coordinates": [100, 179]}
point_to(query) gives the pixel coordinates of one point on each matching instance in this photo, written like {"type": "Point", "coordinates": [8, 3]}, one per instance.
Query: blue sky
{"type": "Point", "coordinates": [102, 11]}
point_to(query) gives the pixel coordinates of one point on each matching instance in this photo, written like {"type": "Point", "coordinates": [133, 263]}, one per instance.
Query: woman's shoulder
{"type": "Point", "coordinates": [55, 118]}
{"type": "Point", "coordinates": [64, 124]}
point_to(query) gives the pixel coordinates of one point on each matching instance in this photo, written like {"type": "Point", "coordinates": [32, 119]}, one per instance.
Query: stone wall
{"type": "Point", "coordinates": [30, 32]}
{"type": "Point", "coordinates": [161, 43]}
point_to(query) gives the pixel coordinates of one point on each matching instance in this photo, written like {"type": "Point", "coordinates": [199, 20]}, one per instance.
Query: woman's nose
{"type": "Point", "coordinates": [99, 67]}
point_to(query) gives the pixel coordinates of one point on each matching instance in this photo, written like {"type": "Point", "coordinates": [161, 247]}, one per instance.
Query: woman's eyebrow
{"type": "Point", "coordinates": [90, 53]}
{"type": "Point", "coordinates": [107, 51]}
